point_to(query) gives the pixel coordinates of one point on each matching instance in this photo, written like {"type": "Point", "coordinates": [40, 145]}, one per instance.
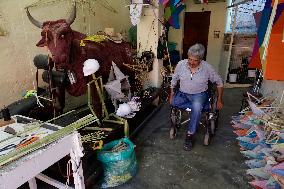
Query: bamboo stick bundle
{"type": "Point", "coordinates": [93, 137]}
{"type": "Point", "coordinates": [34, 126]}
{"type": "Point", "coordinates": [15, 154]}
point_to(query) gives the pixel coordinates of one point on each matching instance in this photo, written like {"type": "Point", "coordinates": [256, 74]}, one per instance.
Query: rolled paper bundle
{"type": "Point", "coordinates": [236, 118]}
{"type": "Point", "coordinates": [255, 163]}
{"type": "Point", "coordinates": [241, 126]}
{"type": "Point", "coordinates": [258, 173]}
{"type": "Point", "coordinates": [260, 134]}
{"type": "Point", "coordinates": [251, 133]}
{"type": "Point", "coordinates": [241, 132]}
{"type": "Point", "coordinates": [248, 139]}
{"type": "Point", "coordinates": [271, 182]}
{"type": "Point", "coordinates": [279, 166]}
{"type": "Point", "coordinates": [260, 184]}
{"type": "Point", "coordinates": [278, 172]}
{"type": "Point", "coordinates": [279, 179]}
{"type": "Point", "coordinates": [281, 135]}
{"type": "Point", "coordinates": [249, 154]}
{"type": "Point", "coordinates": [278, 147]}
{"type": "Point", "coordinates": [248, 146]}
{"type": "Point", "coordinates": [253, 155]}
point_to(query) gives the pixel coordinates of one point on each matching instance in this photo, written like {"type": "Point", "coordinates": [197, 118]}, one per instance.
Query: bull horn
{"type": "Point", "coordinates": [72, 16]}
{"type": "Point", "coordinates": [34, 21]}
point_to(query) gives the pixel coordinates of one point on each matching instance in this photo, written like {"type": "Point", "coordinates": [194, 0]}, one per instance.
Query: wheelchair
{"type": "Point", "coordinates": [211, 116]}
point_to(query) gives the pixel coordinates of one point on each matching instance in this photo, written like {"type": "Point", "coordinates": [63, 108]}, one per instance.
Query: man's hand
{"type": "Point", "coordinates": [220, 96]}
{"type": "Point", "coordinates": [219, 104]}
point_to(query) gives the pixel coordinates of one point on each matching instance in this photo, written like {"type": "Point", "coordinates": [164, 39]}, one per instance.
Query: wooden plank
{"type": "Point", "coordinates": [32, 167]}
{"type": "Point", "coordinates": [52, 182]}
{"type": "Point", "coordinates": [4, 123]}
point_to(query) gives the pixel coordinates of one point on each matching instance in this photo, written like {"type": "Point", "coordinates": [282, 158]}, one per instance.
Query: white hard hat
{"type": "Point", "coordinates": [90, 67]}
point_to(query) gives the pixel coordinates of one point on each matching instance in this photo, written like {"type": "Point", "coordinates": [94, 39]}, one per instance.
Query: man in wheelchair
{"type": "Point", "coordinates": [193, 75]}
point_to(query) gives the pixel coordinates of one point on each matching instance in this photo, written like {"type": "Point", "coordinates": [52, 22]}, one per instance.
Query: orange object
{"type": "Point", "coordinates": [98, 145]}
{"type": "Point", "coordinates": [279, 2]}
{"type": "Point", "coordinates": [274, 62]}
{"type": "Point", "coordinates": [27, 142]}
{"type": "Point", "coordinates": [241, 132]}
{"type": "Point", "coordinates": [255, 61]}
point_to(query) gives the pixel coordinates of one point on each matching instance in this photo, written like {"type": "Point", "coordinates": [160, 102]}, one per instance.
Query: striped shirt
{"type": "Point", "coordinates": [197, 82]}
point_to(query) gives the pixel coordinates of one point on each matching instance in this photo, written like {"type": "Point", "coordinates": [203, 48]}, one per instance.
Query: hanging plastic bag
{"type": "Point", "coordinates": [119, 162]}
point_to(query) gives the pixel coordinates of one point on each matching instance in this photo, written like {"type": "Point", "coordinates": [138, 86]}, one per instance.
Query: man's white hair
{"type": "Point", "coordinates": [197, 50]}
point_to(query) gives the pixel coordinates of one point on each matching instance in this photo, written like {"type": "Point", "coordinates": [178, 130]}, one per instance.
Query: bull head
{"type": "Point", "coordinates": [56, 35]}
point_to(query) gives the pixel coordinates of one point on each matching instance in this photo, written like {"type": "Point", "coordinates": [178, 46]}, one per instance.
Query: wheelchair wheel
{"type": "Point", "coordinates": [178, 119]}
{"type": "Point", "coordinates": [206, 140]}
{"type": "Point", "coordinates": [173, 133]}
{"type": "Point", "coordinates": [210, 124]}
{"type": "Point", "coordinates": [164, 96]}
{"type": "Point", "coordinates": [216, 120]}
{"type": "Point", "coordinates": [213, 126]}
{"type": "Point", "coordinates": [175, 122]}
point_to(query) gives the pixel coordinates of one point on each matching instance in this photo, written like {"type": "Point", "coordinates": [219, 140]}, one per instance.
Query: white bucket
{"type": "Point", "coordinates": [251, 73]}
{"type": "Point", "coordinates": [232, 78]}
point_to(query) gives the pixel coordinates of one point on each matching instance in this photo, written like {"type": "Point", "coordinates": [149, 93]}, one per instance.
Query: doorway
{"type": "Point", "coordinates": [196, 30]}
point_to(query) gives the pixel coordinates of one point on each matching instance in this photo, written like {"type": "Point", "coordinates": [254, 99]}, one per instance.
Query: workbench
{"type": "Point", "coordinates": [29, 167]}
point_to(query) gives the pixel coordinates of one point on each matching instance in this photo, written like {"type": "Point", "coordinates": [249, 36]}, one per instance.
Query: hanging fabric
{"type": "Point", "coordinates": [135, 12]}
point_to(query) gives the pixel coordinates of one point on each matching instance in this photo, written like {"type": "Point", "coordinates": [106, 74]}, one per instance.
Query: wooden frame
{"type": "Point", "coordinates": [30, 166]}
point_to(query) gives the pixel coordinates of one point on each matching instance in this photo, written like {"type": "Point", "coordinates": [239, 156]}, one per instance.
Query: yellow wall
{"type": "Point", "coordinates": [17, 48]}
{"type": "Point", "coordinates": [148, 32]}
{"type": "Point", "coordinates": [217, 23]}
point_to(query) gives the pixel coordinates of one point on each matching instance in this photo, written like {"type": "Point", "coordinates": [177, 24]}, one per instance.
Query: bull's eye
{"type": "Point", "coordinates": [62, 36]}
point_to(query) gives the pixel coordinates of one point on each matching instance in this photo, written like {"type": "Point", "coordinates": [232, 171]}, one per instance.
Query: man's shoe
{"type": "Point", "coordinates": [187, 146]}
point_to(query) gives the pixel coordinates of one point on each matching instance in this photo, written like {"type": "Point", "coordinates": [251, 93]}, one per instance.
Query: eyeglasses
{"type": "Point", "coordinates": [193, 60]}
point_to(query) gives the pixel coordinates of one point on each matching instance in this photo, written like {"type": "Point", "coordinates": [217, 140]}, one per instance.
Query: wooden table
{"type": "Point", "coordinates": [29, 167]}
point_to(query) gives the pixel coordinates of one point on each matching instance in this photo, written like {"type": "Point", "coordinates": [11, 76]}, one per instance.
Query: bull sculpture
{"type": "Point", "coordinates": [68, 56]}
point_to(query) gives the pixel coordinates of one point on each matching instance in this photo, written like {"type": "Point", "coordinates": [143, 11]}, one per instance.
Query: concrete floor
{"type": "Point", "coordinates": [164, 164]}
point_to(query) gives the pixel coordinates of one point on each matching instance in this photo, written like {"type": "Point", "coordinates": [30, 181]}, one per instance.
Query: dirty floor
{"type": "Point", "coordinates": [163, 164]}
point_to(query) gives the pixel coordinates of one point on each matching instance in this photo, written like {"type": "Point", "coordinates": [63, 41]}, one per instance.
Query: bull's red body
{"type": "Point", "coordinates": [67, 54]}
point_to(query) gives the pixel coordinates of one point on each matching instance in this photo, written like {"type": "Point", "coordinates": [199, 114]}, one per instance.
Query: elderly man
{"type": "Point", "coordinates": [194, 74]}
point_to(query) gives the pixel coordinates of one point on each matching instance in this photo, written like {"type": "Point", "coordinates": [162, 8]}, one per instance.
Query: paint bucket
{"type": "Point", "coordinates": [232, 78]}
{"type": "Point", "coordinates": [251, 73]}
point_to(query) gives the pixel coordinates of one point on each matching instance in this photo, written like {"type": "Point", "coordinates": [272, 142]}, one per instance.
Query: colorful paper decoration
{"type": "Point", "coordinates": [275, 59]}
{"type": "Point", "coordinates": [164, 2]}
{"type": "Point", "coordinates": [273, 66]}
{"type": "Point", "coordinates": [135, 12]}
{"type": "Point", "coordinates": [172, 10]}
{"type": "Point", "coordinates": [261, 19]}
